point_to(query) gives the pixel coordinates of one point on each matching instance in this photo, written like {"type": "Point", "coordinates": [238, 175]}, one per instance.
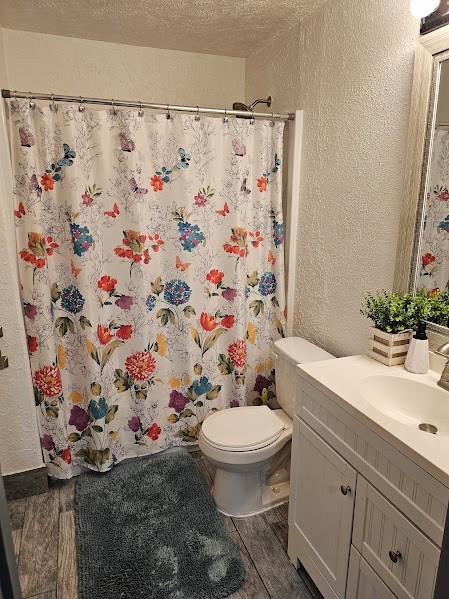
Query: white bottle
{"type": "Point", "coordinates": [417, 359]}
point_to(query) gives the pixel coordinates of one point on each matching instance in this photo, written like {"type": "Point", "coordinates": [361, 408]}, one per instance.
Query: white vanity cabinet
{"type": "Point", "coordinates": [365, 521]}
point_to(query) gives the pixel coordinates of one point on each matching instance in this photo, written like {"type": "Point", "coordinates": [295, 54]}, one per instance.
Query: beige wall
{"type": "Point", "coordinates": [349, 67]}
{"type": "Point", "coordinates": [19, 439]}
{"type": "Point", "coordinates": [71, 66]}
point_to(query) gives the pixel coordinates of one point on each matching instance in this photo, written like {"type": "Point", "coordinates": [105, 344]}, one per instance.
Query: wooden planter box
{"type": "Point", "coordinates": [389, 348]}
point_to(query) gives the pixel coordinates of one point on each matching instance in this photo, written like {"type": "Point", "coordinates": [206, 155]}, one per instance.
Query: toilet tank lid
{"type": "Point", "coordinates": [299, 351]}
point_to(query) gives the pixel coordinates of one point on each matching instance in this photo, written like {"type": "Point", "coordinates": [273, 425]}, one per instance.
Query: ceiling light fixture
{"type": "Point", "coordinates": [422, 8]}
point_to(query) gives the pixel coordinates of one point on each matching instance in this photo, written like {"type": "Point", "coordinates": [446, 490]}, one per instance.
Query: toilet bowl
{"type": "Point", "coordinates": [241, 467]}
{"type": "Point", "coordinates": [250, 446]}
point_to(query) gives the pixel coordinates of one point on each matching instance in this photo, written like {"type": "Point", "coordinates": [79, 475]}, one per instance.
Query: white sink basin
{"type": "Point", "coordinates": [409, 402]}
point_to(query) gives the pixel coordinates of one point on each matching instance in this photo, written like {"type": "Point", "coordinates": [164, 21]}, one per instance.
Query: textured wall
{"type": "Point", "coordinates": [19, 439]}
{"type": "Point", "coordinates": [349, 67]}
{"type": "Point", "coordinates": [49, 63]}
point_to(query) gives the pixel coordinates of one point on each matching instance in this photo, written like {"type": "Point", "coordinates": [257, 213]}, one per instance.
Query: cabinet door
{"type": "Point", "coordinates": [363, 582]}
{"type": "Point", "coordinates": [405, 559]}
{"type": "Point", "coordinates": [323, 507]}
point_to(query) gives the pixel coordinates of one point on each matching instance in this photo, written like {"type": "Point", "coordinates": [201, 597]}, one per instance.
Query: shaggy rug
{"type": "Point", "coordinates": [150, 529]}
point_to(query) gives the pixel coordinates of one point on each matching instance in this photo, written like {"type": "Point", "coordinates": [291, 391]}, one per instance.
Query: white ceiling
{"type": "Point", "coordinates": [229, 28]}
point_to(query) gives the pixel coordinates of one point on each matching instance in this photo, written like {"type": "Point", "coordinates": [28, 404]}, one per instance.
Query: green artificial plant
{"type": "Point", "coordinates": [390, 312]}
{"type": "Point", "coordinates": [397, 312]}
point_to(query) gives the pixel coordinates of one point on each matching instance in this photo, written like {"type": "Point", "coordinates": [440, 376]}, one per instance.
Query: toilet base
{"type": "Point", "coordinates": [271, 500]}
{"type": "Point", "coordinates": [244, 492]}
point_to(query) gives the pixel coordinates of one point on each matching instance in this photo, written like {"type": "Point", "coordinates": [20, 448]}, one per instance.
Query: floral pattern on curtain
{"type": "Point", "coordinates": [434, 248]}
{"type": "Point", "coordinates": [151, 262]}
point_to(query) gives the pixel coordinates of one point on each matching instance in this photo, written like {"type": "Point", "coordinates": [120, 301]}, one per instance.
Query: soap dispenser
{"type": "Point", "coordinates": [417, 359]}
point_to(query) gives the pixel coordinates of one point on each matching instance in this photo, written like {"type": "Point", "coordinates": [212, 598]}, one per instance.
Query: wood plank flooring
{"type": "Point", "coordinates": [44, 542]}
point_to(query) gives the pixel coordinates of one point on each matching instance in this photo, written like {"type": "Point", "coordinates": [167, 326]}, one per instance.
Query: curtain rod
{"type": "Point", "coordinates": [8, 94]}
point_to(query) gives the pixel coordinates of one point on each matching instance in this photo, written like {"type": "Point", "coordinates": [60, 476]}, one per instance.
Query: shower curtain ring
{"type": "Point", "coordinates": [14, 99]}
{"type": "Point", "coordinates": [168, 115]}
{"type": "Point", "coordinates": [31, 104]}
{"type": "Point", "coordinates": [114, 109]}
{"type": "Point", "coordinates": [197, 116]}
{"type": "Point", "coordinates": [53, 105]}
{"type": "Point", "coordinates": [225, 118]}
{"type": "Point", "coordinates": [81, 106]}
{"type": "Point", "coordinates": [140, 113]}
{"type": "Point", "coordinates": [251, 121]}
{"type": "Point", "coordinates": [272, 120]}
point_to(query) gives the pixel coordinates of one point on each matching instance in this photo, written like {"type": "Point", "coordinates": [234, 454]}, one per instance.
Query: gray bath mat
{"type": "Point", "coordinates": [149, 529]}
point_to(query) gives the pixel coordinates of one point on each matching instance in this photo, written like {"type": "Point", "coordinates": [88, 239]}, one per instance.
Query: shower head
{"type": "Point", "coordinates": [250, 108]}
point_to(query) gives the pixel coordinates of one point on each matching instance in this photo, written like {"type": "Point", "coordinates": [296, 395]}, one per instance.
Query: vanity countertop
{"type": "Point", "coordinates": [342, 380]}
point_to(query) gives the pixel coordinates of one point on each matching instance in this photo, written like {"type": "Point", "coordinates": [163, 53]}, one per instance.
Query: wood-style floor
{"type": "Point", "coordinates": [44, 541]}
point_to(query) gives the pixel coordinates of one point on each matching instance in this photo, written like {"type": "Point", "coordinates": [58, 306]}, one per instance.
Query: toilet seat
{"type": "Point", "coordinates": [242, 429]}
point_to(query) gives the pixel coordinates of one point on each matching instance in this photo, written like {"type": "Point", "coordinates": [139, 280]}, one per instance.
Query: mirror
{"type": "Point", "coordinates": [433, 270]}
{"type": "Point", "coordinates": [431, 251]}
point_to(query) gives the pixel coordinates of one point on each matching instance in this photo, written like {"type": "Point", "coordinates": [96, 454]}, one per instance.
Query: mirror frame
{"type": "Point", "coordinates": [420, 134]}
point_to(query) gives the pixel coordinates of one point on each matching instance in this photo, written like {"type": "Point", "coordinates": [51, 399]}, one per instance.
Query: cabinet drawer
{"type": "Point", "coordinates": [363, 582]}
{"type": "Point", "coordinates": [396, 550]}
{"type": "Point", "coordinates": [412, 490]}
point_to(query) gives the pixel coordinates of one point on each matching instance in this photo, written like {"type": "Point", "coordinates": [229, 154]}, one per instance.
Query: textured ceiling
{"type": "Point", "coordinates": [236, 28]}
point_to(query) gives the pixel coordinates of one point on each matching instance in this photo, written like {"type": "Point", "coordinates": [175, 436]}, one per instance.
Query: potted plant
{"type": "Point", "coordinates": [393, 315]}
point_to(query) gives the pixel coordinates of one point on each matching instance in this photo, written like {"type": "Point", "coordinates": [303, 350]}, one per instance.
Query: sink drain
{"type": "Point", "coordinates": [428, 428]}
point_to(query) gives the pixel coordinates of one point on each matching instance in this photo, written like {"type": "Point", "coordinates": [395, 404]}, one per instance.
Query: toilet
{"type": "Point", "coordinates": [250, 446]}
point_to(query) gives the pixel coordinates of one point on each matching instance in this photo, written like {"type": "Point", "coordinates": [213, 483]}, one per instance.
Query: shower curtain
{"type": "Point", "coordinates": [434, 249]}
{"type": "Point", "coordinates": [150, 254]}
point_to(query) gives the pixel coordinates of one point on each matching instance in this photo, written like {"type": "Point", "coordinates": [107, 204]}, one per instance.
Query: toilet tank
{"type": "Point", "coordinates": [290, 352]}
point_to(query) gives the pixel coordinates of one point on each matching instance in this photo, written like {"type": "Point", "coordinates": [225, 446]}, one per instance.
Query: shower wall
{"type": "Point", "coordinates": [19, 439]}
{"type": "Point", "coordinates": [71, 66]}
{"type": "Point", "coordinates": [80, 67]}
